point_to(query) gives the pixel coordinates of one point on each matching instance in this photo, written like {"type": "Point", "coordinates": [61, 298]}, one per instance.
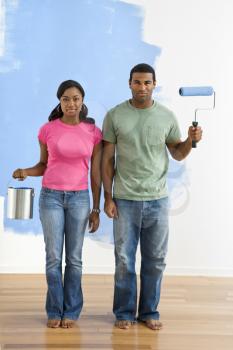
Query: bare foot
{"type": "Point", "coordinates": [155, 325]}
{"type": "Point", "coordinates": [53, 323]}
{"type": "Point", "coordinates": [123, 324]}
{"type": "Point", "coordinates": [67, 323]}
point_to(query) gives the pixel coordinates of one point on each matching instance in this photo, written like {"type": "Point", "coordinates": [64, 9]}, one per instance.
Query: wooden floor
{"type": "Point", "coordinates": [197, 313]}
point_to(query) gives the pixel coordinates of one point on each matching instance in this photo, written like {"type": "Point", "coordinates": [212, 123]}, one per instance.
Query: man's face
{"type": "Point", "coordinates": [142, 86]}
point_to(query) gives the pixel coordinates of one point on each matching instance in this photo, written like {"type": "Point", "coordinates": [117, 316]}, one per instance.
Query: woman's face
{"type": "Point", "coordinates": [71, 102]}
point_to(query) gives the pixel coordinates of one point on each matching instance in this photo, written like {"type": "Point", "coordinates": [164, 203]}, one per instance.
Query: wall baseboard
{"type": "Point", "coordinates": [194, 271]}
{"type": "Point", "coordinates": [170, 271]}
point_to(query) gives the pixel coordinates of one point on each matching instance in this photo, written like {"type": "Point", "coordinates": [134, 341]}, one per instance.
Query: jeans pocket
{"type": "Point", "coordinates": [49, 199]}
{"type": "Point", "coordinates": [83, 196]}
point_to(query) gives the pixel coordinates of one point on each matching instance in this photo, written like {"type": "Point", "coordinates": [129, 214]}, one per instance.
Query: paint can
{"type": "Point", "coordinates": [20, 202]}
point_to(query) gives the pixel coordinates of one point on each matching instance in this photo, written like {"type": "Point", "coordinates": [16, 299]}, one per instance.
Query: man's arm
{"type": "Point", "coordinates": [180, 150]}
{"type": "Point", "coordinates": [108, 172]}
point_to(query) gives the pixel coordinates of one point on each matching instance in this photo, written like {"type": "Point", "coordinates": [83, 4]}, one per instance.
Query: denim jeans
{"type": "Point", "coordinates": [147, 221]}
{"type": "Point", "coordinates": [64, 216]}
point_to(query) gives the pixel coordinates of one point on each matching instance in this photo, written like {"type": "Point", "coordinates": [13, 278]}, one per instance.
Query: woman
{"type": "Point", "coordinates": [67, 143]}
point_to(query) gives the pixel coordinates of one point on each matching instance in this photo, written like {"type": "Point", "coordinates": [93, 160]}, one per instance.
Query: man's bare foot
{"type": "Point", "coordinates": [67, 323]}
{"type": "Point", "coordinates": [123, 324]}
{"type": "Point", "coordinates": [53, 323]}
{"type": "Point", "coordinates": [155, 325]}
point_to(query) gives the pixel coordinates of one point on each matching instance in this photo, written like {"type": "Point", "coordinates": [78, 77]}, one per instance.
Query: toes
{"type": "Point", "coordinates": [66, 323]}
{"type": "Point", "coordinates": [123, 324]}
{"type": "Point", "coordinates": [155, 325]}
{"type": "Point", "coordinates": [53, 323]}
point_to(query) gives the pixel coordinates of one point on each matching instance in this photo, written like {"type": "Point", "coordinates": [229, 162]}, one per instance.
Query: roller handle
{"type": "Point", "coordinates": [194, 144]}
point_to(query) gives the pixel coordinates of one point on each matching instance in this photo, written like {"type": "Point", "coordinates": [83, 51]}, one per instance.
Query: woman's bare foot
{"type": "Point", "coordinates": [67, 323]}
{"type": "Point", "coordinates": [53, 323]}
{"type": "Point", "coordinates": [155, 325]}
{"type": "Point", "coordinates": [123, 324]}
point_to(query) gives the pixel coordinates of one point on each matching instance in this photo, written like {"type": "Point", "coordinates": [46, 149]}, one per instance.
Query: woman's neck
{"type": "Point", "coordinates": [70, 120]}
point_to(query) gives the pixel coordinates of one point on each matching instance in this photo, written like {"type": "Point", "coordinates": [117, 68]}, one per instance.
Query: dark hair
{"type": "Point", "coordinates": [142, 68]}
{"type": "Point", "coordinates": [57, 112]}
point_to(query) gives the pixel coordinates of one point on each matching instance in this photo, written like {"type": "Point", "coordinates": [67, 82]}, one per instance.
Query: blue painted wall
{"type": "Point", "coordinates": [95, 42]}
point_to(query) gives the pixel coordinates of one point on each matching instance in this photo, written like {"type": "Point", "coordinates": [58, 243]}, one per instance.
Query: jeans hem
{"type": "Point", "coordinates": [146, 319]}
{"type": "Point", "coordinates": [55, 317]}
{"type": "Point", "coordinates": [126, 319]}
{"type": "Point", "coordinates": [73, 318]}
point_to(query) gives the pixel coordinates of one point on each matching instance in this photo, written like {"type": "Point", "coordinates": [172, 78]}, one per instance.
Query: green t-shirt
{"type": "Point", "coordinates": [140, 136]}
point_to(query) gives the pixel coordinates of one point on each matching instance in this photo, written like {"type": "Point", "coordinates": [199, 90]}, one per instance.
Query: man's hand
{"type": "Point", "coordinates": [110, 209]}
{"type": "Point", "coordinates": [195, 134]}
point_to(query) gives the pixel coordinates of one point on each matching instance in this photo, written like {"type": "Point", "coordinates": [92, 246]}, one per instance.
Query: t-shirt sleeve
{"type": "Point", "coordinates": [42, 135]}
{"type": "Point", "coordinates": [98, 136]}
{"type": "Point", "coordinates": [108, 129]}
{"type": "Point", "coordinates": [174, 133]}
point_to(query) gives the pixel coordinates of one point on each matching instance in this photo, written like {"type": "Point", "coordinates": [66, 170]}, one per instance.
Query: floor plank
{"type": "Point", "coordinates": [197, 313]}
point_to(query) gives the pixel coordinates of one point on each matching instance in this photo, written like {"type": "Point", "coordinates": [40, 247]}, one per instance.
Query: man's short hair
{"type": "Point", "coordinates": [142, 68]}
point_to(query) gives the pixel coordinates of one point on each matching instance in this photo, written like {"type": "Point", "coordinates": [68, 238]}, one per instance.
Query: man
{"type": "Point", "coordinates": [140, 131]}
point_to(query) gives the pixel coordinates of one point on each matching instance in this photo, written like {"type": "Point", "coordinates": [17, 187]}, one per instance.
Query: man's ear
{"type": "Point", "coordinates": [130, 84]}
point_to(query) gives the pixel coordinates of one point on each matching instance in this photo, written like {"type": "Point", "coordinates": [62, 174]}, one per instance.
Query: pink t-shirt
{"type": "Point", "coordinates": [69, 151]}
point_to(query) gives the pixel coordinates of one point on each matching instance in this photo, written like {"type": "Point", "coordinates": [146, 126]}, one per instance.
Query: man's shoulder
{"type": "Point", "coordinates": [165, 113]}
{"type": "Point", "coordinates": [165, 109]}
{"type": "Point", "coordinates": [119, 107]}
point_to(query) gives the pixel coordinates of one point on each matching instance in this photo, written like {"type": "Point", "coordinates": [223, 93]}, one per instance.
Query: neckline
{"type": "Point", "coordinates": [70, 126]}
{"type": "Point", "coordinates": [154, 105]}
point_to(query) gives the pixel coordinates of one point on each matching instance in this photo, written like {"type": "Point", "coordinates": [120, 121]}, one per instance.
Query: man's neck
{"type": "Point", "coordinates": [141, 105]}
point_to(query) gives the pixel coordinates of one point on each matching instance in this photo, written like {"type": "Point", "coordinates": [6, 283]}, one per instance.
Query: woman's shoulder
{"type": "Point", "coordinates": [50, 124]}
{"type": "Point", "coordinates": [94, 131]}
{"type": "Point", "coordinates": [46, 129]}
{"type": "Point", "coordinates": [91, 127]}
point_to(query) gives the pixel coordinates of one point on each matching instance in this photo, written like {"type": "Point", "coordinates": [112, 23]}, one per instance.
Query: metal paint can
{"type": "Point", "coordinates": [20, 202]}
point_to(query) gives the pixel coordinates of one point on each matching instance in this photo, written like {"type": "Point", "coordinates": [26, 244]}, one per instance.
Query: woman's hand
{"type": "Point", "coordinates": [20, 174]}
{"type": "Point", "coordinates": [94, 221]}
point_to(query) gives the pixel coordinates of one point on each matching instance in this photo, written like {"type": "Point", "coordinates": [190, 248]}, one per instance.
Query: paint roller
{"type": "Point", "coordinates": [197, 91]}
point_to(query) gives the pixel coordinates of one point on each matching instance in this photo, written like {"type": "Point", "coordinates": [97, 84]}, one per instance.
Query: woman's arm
{"type": "Point", "coordinates": [96, 182]}
{"type": "Point", "coordinates": [36, 170]}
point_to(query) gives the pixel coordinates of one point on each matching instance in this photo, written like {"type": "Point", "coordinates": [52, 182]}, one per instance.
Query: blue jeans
{"type": "Point", "coordinates": [64, 216]}
{"type": "Point", "coordinates": [147, 221]}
